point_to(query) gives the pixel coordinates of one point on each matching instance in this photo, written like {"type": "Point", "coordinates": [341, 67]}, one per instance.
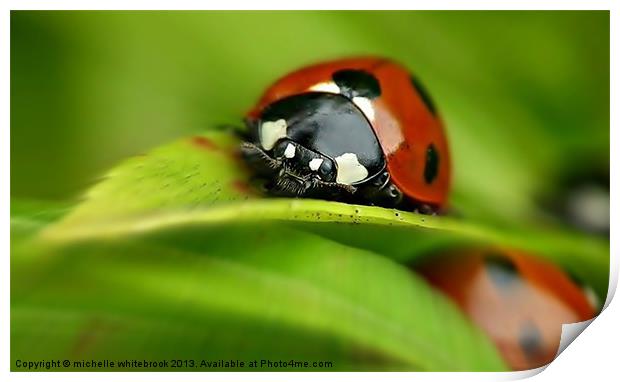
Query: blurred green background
{"type": "Point", "coordinates": [528, 89]}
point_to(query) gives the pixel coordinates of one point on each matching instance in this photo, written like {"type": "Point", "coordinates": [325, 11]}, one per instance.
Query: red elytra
{"type": "Point", "coordinates": [520, 301]}
{"type": "Point", "coordinates": [404, 122]}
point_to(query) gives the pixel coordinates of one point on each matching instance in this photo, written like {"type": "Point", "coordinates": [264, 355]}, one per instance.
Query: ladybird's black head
{"type": "Point", "coordinates": [300, 171]}
{"type": "Point", "coordinates": [293, 170]}
{"type": "Point", "coordinates": [299, 161]}
{"type": "Point", "coordinates": [314, 145]}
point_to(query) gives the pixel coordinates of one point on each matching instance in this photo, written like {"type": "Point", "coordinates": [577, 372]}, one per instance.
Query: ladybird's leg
{"type": "Point", "coordinates": [259, 160]}
{"type": "Point", "coordinates": [287, 187]}
{"type": "Point", "coordinates": [389, 196]}
{"type": "Point", "coordinates": [321, 189]}
{"type": "Point", "coordinates": [426, 209]}
{"type": "Point", "coordinates": [380, 191]}
{"type": "Point", "coordinates": [334, 186]}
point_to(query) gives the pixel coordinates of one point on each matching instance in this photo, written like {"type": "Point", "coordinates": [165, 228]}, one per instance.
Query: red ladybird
{"type": "Point", "coordinates": [520, 301]}
{"type": "Point", "coordinates": [362, 130]}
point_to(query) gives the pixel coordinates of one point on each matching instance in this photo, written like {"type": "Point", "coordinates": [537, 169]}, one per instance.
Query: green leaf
{"type": "Point", "coordinates": [241, 293]}
{"type": "Point", "coordinates": [197, 172]}
{"type": "Point", "coordinates": [30, 216]}
{"type": "Point", "coordinates": [201, 182]}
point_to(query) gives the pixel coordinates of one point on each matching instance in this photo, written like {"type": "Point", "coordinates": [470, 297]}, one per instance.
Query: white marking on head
{"type": "Point", "coordinates": [271, 132]}
{"type": "Point", "coordinates": [350, 170]}
{"type": "Point", "coordinates": [365, 106]}
{"type": "Point", "coordinates": [289, 152]}
{"type": "Point", "coordinates": [327, 87]}
{"type": "Point", "coordinates": [315, 164]}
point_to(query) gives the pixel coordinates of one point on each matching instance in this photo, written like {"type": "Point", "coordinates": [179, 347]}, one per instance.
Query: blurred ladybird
{"type": "Point", "coordinates": [580, 197]}
{"type": "Point", "coordinates": [520, 301]}
{"type": "Point", "coordinates": [360, 130]}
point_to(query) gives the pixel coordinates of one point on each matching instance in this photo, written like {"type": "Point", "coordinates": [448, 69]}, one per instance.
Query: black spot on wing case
{"type": "Point", "coordinates": [431, 167]}
{"type": "Point", "coordinates": [357, 83]}
{"type": "Point", "coordinates": [421, 90]}
{"type": "Point", "coordinates": [502, 271]}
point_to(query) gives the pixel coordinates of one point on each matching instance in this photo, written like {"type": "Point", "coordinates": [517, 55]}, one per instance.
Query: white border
{"type": "Point", "coordinates": [315, 5]}
{"type": "Point", "coordinates": [591, 355]}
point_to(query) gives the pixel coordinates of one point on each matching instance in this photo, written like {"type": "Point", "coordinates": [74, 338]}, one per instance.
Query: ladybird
{"type": "Point", "coordinates": [518, 300]}
{"type": "Point", "coordinates": [361, 130]}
